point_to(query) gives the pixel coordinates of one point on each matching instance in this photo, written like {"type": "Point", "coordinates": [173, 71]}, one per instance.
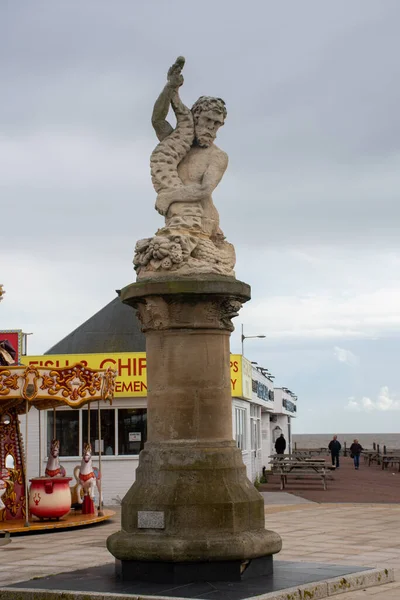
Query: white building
{"type": "Point", "coordinates": [260, 412]}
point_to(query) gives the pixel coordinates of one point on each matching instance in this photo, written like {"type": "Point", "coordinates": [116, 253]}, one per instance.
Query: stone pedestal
{"type": "Point", "coordinates": [191, 514]}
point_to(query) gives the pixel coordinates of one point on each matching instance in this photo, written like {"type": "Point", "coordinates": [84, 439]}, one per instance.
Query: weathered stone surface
{"type": "Point", "coordinates": [186, 167]}
{"type": "Point", "coordinates": [357, 581]}
{"type": "Point", "coordinates": [187, 303]}
{"type": "Point", "coordinates": [187, 325]}
{"type": "Point", "coordinates": [310, 591]}
{"type": "Point", "coordinates": [212, 511]}
{"type": "Point", "coordinates": [201, 285]}
{"type": "Point", "coordinates": [190, 468]}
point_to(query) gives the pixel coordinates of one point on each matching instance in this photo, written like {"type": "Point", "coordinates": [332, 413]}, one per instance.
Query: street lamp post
{"type": "Point", "coordinates": [246, 337]}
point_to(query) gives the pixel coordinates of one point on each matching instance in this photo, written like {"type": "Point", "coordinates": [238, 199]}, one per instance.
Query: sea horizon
{"type": "Point", "coordinates": [321, 440]}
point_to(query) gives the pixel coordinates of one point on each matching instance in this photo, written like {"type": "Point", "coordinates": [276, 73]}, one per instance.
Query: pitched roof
{"type": "Point", "coordinates": [115, 328]}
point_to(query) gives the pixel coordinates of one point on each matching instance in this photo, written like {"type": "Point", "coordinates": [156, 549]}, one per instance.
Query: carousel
{"type": "Point", "coordinates": [49, 501]}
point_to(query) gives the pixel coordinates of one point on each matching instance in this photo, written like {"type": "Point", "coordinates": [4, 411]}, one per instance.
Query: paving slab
{"type": "Point", "coordinates": [337, 535]}
{"type": "Point", "coordinates": [283, 499]}
{"type": "Point", "coordinates": [289, 580]}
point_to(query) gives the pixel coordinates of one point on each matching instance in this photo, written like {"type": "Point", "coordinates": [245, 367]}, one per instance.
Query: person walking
{"type": "Point", "coordinates": [334, 448]}
{"type": "Point", "coordinates": [280, 444]}
{"type": "Point", "coordinates": [355, 451]}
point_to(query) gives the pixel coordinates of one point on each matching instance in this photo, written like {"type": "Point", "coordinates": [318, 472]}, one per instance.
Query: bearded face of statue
{"type": "Point", "coordinates": [206, 125]}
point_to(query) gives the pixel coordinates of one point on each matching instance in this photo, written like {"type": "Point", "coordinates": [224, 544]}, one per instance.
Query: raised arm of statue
{"type": "Point", "coordinates": [174, 143]}
{"type": "Point", "coordinates": [168, 96]}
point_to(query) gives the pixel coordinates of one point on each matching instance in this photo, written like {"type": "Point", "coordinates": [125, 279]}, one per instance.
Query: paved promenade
{"type": "Point", "coordinates": [367, 485]}
{"type": "Point", "coordinates": [365, 535]}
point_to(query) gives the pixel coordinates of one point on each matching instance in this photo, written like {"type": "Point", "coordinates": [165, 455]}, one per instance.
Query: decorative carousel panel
{"type": "Point", "coordinates": [12, 480]}
{"type": "Point", "coordinates": [48, 387]}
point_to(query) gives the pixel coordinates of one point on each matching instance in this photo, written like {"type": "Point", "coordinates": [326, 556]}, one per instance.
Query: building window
{"type": "Point", "coordinates": [240, 428]}
{"type": "Point", "coordinates": [132, 430]}
{"type": "Point", "coordinates": [262, 391]}
{"type": "Point", "coordinates": [67, 431]}
{"type": "Point", "coordinates": [289, 405]}
{"type": "Point", "coordinates": [255, 411]}
{"type": "Point", "coordinates": [107, 417]}
{"type": "Point", "coordinates": [255, 426]}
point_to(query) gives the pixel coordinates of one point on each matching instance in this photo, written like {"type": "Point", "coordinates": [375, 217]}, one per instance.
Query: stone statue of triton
{"type": "Point", "coordinates": [186, 167]}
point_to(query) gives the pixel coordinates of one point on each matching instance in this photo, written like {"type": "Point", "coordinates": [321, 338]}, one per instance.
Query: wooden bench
{"type": "Point", "coordinates": [299, 469]}
{"type": "Point", "coordinates": [304, 474]}
{"type": "Point", "coordinates": [312, 451]}
{"type": "Point", "coordinates": [390, 459]}
{"type": "Point", "coordinates": [295, 456]}
{"type": "Point", "coordinates": [278, 459]}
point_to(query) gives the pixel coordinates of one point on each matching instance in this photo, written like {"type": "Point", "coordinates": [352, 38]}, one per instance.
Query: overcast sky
{"type": "Point", "coordinates": [310, 199]}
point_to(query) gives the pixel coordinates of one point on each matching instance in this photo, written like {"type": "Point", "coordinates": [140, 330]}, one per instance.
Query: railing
{"type": "Point", "coordinates": [289, 405]}
{"type": "Point", "coordinates": [262, 391]}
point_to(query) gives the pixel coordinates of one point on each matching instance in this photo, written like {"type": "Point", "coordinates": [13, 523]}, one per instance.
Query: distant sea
{"type": "Point", "coordinates": [321, 440]}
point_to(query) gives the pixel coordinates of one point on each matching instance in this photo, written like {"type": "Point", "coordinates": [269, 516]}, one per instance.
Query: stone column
{"type": "Point", "coordinates": [191, 514]}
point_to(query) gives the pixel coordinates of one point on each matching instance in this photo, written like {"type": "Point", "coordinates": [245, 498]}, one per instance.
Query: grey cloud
{"type": "Point", "coordinates": [313, 139]}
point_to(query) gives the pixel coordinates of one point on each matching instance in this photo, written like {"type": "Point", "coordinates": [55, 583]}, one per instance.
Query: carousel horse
{"type": "Point", "coordinates": [53, 467]}
{"type": "Point", "coordinates": [87, 476]}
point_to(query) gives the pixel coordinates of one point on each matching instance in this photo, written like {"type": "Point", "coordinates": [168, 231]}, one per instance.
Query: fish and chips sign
{"type": "Point", "coordinates": [131, 378]}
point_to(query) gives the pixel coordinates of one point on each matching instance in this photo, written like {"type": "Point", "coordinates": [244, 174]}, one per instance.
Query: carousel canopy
{"type": "Point", "coordinates": [50, 387]}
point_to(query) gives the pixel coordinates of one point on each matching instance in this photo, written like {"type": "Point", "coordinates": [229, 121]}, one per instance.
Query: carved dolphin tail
{"type": "Point", "coordinates": [170, 151]}
{"type": "Point", "coordinates": [168, 154]}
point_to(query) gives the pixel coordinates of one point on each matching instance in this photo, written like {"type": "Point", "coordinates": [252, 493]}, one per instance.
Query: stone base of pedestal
{"type": "Point", "coordinates": [192, 514]}
{"type": "Point", "coordinates": [192, 504]}
{"type": "Point", "coordinates": [169, 572]}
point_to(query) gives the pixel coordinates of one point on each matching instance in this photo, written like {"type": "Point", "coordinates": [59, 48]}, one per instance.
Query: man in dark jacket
{"type": "Point", "coordinates": [334, 448]}
{"type": "Point", "coordinates": [280, 444]}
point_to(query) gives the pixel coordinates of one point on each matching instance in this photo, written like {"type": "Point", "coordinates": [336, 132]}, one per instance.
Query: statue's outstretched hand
{"type": "Point", "coordinates": [175, 77]}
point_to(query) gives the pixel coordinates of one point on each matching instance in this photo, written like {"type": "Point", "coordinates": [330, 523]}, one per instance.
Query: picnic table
{"type": "Point", "coordinates": [319, 451]}
{"type": "Point", "coordinates": [390, 459]}
{"type": "Point", "coordinates": [372, 456]}
{"type": "Point", "coordinates": [312, 451]}
{"type": "Point", "coordinates": [298, 454]}
{"type": "Point", "coordinates": [299, 467]}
